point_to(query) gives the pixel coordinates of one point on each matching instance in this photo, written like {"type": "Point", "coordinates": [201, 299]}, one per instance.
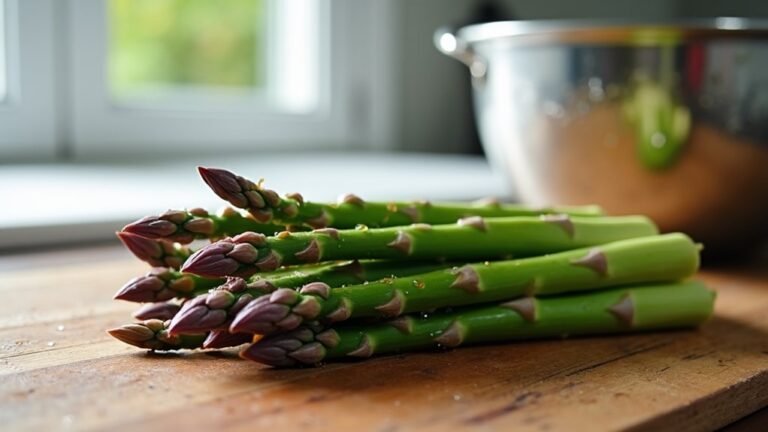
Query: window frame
{"type": "Point", "coordinates": [356, 111]}
{"type": "Point", "coordinates": [28, 122]}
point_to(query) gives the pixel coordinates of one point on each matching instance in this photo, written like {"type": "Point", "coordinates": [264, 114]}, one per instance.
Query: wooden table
{"type": "Point", "coordinates": [60, 371]}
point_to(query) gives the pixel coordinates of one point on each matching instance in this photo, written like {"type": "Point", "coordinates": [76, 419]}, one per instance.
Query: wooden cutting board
{"type": "Point", "coordinates": [59, 371]}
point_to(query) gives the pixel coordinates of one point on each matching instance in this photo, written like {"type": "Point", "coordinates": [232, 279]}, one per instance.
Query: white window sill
{"type": "Point", "coordinates": [76, 203]}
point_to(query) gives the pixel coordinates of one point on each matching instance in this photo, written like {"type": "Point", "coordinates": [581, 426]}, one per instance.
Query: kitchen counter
{"type": "Point", "coordinates": [60, 371]}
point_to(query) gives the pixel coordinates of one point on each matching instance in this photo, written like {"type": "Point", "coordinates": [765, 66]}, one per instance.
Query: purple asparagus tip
{"type": "Point", "coordinates": [225, 184]}
{"type": "Point", "coordinates": [133, 334]}
{"type": "Point", "coordinates": [225, 339]}
{"type": "Point", "coordinates": [293, 348]}
{"type": "Point", "coordinates": [152, 227]}
{"type": "Point", "coordinates": [162, 311]}
{"type": "Point", "coordinates": [145, 249]}
{"type": "Point", "coordinates": [144, 289]}
{"type": "Point", "coordinates": [197, 316]}
{"type": "Point", "coordinates": [212, 260]}
{"type": "Point", "coordinates": [263, 316]}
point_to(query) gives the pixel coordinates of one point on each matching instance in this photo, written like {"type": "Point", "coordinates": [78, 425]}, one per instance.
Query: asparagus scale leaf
{"type": "Point", "coordinates": [473, 238]}
{"type": "Point", "coordinates": [618, 310]}
{"type": "Point", "coordinates": [662, 258]}
{"type": "Point", "coordinates": [267, 205]}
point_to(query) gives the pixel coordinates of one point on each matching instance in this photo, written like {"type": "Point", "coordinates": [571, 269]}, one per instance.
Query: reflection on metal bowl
{"type": "Point", "coordinates": [666, 120]}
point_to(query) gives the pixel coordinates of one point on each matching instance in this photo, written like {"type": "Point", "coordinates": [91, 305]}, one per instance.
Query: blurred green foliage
{"type": "Point", "coordinates": [185, 42]}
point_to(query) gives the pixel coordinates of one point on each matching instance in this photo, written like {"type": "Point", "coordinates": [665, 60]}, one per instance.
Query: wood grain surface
{"type": "Point", "coordinates": [60, 371]}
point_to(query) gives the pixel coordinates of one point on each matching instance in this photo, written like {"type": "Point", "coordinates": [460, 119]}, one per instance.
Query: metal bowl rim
{"type": "Point", "coordinates": [611, 30]}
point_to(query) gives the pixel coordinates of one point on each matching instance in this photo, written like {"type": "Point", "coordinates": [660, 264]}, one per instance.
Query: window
{"type": "Point", "coordinates": [185, 51]}
{"type": "Point", "coordinates": [27, 122]}
{"type": "Point", "coordinates": [3, 83]}
{"type": "Point", "coordinates": [100, 78]}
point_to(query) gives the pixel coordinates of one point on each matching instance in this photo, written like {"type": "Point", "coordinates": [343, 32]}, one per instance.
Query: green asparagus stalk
{"type": "Point", "coordinates": [643, 260]}
{"type": "Point", "coordinates": [184, 226]}
{"type": "Point", "coordinates": [473, 238]}
{"type": "Point", "coordinates": [157, 253]}
{"type": "Point", "coordinates": [153, 334]}
{"type": "Point", "coordinates": [216, 308]}
{"type": "Point", "coordinates": [267, 205]}
{"type": "Point", "coordinates": [619, 310]}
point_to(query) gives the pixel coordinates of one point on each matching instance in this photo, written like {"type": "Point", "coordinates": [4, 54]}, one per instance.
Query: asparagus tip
{"type": "Point", "coordinates": [287, 349]}
{"type": "Point", "coordinates": [151, 227]}
{"type": "Point", "coordinates": [143, 248]}
{"type": "Point", "coordinates": [132, 334]}
{"type": "Point", "coordinates": [197, 316]}
{"type": "Point", "coordinates": [261, 316]}
{"type": "Point", "coordinates": [144, 289]}
{"type": "Point", "coordinates": [212, 260]}
{"type": "Point", "coordinates": [225, 184]}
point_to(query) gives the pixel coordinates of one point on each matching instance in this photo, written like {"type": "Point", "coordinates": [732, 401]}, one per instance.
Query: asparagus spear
{"type": "Point", "coordinates": [267, 205]}
{"type": "Point", "coordinates": [157, 253]}
{"type": "Point", "coordinates": [162, 284]}
{"type": "Point", "coordinates": [184, 226]}
{"type": "Point", "coordinates": [216, 309]}
{"type": "Point", "coordinates": [161, 310]}
{"type": "Point", "coordinates": [153, 334]}
{"type": "Point", "coordinates": [649, 259]}
{"type": "Point", "coordinates": [617, 310]}
{"type": "Point", "coordinates": [470, 239]}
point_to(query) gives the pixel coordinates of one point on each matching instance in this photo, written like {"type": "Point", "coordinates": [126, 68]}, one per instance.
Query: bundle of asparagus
{"type": "Point", "coordinates": [304, 282]}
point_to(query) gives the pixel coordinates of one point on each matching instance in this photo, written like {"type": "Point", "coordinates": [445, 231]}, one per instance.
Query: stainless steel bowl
{"type": "Point", "coordinates": [668, 120]}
